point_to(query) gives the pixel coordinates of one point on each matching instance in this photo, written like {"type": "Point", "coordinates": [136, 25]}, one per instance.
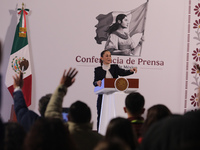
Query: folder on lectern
{"type": "Point", "coordinates": [110, 85]}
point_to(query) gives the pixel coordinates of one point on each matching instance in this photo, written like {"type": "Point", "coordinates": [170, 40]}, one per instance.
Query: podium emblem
{"type": "Point", "coordinates": [121, 84]}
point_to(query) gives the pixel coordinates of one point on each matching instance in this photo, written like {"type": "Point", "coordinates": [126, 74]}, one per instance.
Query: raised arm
{"type": "Point", "coordinates": [18, 80]}
{"type": "Point", "coordinates": [25, 116]}
{"type": "Point", "coordinates": [19, 101]}
{"type": "Point", "coordinates": [54, 108]}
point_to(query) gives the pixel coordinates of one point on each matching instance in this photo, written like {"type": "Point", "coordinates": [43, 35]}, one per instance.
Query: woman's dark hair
{"type": "Point", "coordinates": [122, 128]}
{"type": "Point", "coordinates": [112, 144]}
{"type": "Point", "coordinates": [14, 136]}
{"type": "Point", "coordinates": [2, 130]}
{"type": "Point", "coordinates": [48, 134]}
{"type": "Point", "coordinates": [102, 53]}
{"type": "Point", "coordinates": [116, 25]}
{"type": "Point", "coordinates": [154, 114]}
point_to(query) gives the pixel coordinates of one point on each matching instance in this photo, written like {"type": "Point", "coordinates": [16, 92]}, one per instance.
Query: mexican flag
{"type": "Point", "coordinates": [20, 58]}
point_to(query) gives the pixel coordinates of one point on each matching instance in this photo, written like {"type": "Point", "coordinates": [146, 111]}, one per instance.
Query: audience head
{"type": "Point", "coordinates": [0, 54]}
{"type": "Point", "coordinates": [121, 128]}
{"type": "Point", "coordinates": [43, 102]}
{"type": "Point", "coordinates": [1, 133]}
{"type": "Point", "coordinates": [112, 144]}
{"type": "Point", "coordinates": [48, 134]}
{"type": "Point", "coordinates": [155, 113]}
{"type": "Point", "coordinates": [1, 124]}
{"type": "Point", "coordinates": [0, 74]}
{"type": "Point", "coordinates": [158, 112]}
{"type": "Point", "coordinates": [79, 112]}
{"type": "Point", "coordinates": [14, 136]}
{"type": "Point", "coordinates": [134, 103]}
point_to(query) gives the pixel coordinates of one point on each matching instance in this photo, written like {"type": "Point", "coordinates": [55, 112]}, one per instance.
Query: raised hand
{"type": "Point", "coordinates": [68, 79]}
{"type": "Point", "coordinates": [18, 80]}
{"type": "Point", "coordinates": [99, 83]}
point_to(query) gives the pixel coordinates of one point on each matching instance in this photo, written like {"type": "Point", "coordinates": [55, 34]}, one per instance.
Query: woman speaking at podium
{"type": "Point", "coordinates": [107, 70]}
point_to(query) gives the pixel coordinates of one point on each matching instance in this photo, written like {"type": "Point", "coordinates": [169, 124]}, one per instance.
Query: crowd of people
{"type": "Point", "coordinates": [160, 129]}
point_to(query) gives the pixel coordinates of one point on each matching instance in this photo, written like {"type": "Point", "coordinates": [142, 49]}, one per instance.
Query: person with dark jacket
{"type": "Point", "coordinates": [25, 116]}
{"type": "Point", "coordinates": [107, 70]}
{"type": "Point", "coordinates": [134, 107]}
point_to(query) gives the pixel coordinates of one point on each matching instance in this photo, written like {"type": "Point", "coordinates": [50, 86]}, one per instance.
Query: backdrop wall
{"type": "Point", "coordinates": [61, 35]}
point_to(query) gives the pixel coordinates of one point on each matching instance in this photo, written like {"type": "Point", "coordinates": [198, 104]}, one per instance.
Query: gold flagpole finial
{"type": "Point", "coordinates": [22, 6]}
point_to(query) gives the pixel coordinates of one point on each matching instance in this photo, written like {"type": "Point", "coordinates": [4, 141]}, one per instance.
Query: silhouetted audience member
{"type": "Point", "coordinates": [122, 129]}
{"type": "Point", "coordinates": [134, 107]}
{"type": "Point", "coordinates": [1, 123]}
{"type": "Point", "coordinates": [0, 74]}
{"type": "Point", "coordinates": [174, 133]}
{"type": "Point", "coordinates": [0, 52]}
{"type": "Point", "coordinates": [80, 127]}
{"type": "Point", "coordinates": [154, 114]}
{"type": "Point", "coordinates": [112, 144]}
{"type": "Point", "coordinates": [25, 116]}
{"type": "Point", "coordinates": [2, 132]}
{"type": "Point", "coordinates": [48, 134]}
{"type": "Point", "coordinates": [14, 136]}
{"type": "Point", "coordinates": [79, 115]}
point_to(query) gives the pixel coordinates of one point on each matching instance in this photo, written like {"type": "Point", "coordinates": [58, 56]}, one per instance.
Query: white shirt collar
{"type": "Point", "coordinates": [106, 67]}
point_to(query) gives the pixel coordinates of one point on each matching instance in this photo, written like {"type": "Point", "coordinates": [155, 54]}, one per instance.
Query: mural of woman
{"type": "Point", "coordinates": [119, 41]}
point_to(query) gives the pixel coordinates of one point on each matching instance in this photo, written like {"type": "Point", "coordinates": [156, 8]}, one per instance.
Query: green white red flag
{"type": "Point", "coordinates": [20, 58]}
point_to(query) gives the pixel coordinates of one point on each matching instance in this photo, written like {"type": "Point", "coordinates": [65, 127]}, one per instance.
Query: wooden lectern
{"type": "Point", "coordinates": [114, 93]}
{"type": "Point", "coordinates": [108, 86]}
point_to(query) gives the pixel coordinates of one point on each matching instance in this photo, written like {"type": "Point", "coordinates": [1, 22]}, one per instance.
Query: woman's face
{"type": "Point", "coordinates": [106, 58]}
{"type": "Point", "coordinates": [125, 23]}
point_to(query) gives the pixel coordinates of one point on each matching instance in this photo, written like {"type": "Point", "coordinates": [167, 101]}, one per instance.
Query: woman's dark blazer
{"type": "Point", "coordinates": [115, 71]}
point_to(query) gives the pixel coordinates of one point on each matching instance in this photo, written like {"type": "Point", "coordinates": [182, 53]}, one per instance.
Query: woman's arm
{"type": "Point", "coordinates": [99, 74]}
{"type": "Point", "coordinates": [124, 72]}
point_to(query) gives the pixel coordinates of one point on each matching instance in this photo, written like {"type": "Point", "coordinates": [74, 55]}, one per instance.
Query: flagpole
{"type": "Point", "coordinates": [145, 15]}
{"type": "Point", "coordinates": [144, 25]}
{"type": "Point", "coordinates": [22, 6]}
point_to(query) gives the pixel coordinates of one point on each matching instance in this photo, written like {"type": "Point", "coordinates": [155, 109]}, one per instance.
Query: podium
{"type": "Point", "coordinates": [113, 100]}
